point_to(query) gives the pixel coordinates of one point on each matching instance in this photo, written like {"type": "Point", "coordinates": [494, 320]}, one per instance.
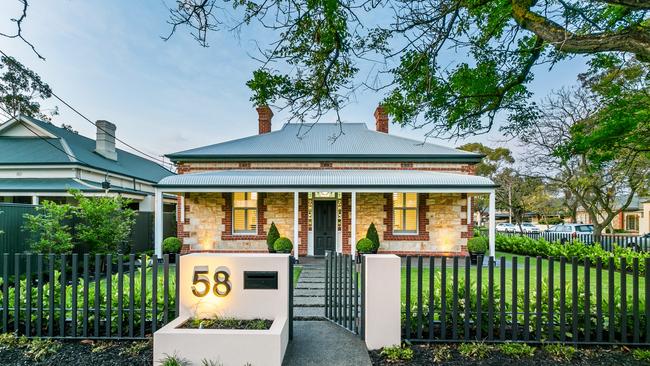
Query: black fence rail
{"type": "Point", "coordinates": [344, 291]}
{"type": "Point", "coordinates": [89, 297]}
{"type": "Point", "coordinates": [606, 241]}
{"type": "Point", "coordinates": [524, 299]}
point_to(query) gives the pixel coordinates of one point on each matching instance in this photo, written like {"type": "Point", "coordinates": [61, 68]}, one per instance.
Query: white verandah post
{"type": "Point", "coordinates": [158, 224]}
{"type": "Point", "coordinates": [492, 223]}
{"type": "Point", "coordinates": [295, 224]}
{"type": "Point", "coordinates": [353, 224]}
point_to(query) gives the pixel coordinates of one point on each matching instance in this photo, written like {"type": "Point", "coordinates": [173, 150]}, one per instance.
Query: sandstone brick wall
{"type": "Point", "coordinates": [194, 167]}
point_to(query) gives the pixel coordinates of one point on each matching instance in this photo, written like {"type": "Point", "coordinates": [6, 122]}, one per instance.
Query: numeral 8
{"type": "Point", "coordinates": [222, 283]}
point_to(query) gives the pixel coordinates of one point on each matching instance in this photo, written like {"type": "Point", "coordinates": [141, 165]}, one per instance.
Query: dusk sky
{"type": "Point", "coordinates": [106, 58]}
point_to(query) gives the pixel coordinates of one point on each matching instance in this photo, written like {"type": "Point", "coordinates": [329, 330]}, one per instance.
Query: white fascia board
{"type": "Point", "coordinates": [75, 166]}
{"type": "Point", "coordinates": [7, 125]}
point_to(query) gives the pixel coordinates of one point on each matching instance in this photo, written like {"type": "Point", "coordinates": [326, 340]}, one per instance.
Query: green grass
{"type": "Point", "coordinates": [520, 273]}
{"type": "Point", "coordinates": [296, 275]}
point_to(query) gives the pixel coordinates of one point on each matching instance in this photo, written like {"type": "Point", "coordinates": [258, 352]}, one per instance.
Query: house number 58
{"type": "Point", "coordinates": [201, 282]}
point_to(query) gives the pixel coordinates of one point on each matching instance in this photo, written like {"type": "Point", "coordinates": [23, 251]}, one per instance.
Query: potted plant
{"type": "Point", "coordinates": [271, 237]}
{"type": "Point", "coordinates": [283, 245]}
{"type": "Point", "coordinates": [374, 237]}
{"type": "Point", "coordinates": [172, 245]}
{"type": "Point", "coordinates": [476, 247]}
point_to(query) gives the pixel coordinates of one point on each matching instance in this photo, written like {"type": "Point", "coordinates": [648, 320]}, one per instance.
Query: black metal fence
{"type": "Point", "coordinates": [83, 296]}
{"type": "Point", "coordinates": [525, 299]}
{"type": "Point", "coordinates": [607, 241]}
{"type": "Point", "coordinates": [344, 290]}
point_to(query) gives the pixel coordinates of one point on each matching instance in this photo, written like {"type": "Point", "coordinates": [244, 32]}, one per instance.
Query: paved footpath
{"type": "Point", "coordinates": [317, 341]}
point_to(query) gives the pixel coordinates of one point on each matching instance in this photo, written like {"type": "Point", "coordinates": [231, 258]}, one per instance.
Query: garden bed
{"type": "Point", "coordinates": [440, 354]}
{"type": "Point", "coordinates": [227, 323]}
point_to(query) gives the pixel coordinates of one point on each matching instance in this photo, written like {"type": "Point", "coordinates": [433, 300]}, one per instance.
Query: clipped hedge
{"type": "Point", "coordinates": [524, 245]}
{"type": "Point", "coordinates": [283, 245]}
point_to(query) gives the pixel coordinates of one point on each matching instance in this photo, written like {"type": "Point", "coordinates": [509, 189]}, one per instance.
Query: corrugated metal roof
{"type": "Point", "coordinates": [317, 141]}
{"type": "Point", "coordinates": [38, 151]}
{"type": "Point", "coordinates": [325, 178]}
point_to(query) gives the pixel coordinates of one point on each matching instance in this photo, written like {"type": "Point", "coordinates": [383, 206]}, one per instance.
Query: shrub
{"type": "Point", "coordinates": [641, 354]}
{"type": "Point", "coordinates": [172, 245]}
{"type": "Point", "coordinates": [517, 350]}
{"type": "Point", "coordinates": [397, 353]}
{"type": "Point", "coordinates": [40, 349]}
{"type": "Point", "coordinates": [560, 352]}
{"type": "Point", "coordinates": [474, 351]}
{"type": "Point", "coordinates": [477, 244]}
{"type": "Point", "coordinates": [174, 360]}
{"type": "Point", "coordinates": [365, 245]}
{"type": "Point", "coordinates": [441, 353]}
{"type": "Point", "coordinates": [272, 236]}
{"type": "Point", "coordinates": [373, 236]}
{"type": "Point", "coordinates": [283, 245]}
{"type": "Point", "coordinates": [48, 229]}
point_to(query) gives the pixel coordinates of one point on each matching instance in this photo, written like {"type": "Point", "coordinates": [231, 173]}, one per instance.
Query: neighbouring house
{"type": "Point", "coordinates": [323, 193]}
{"type": "Point", "coordinates": [634, 219]}
{"type": "Point", "coordinates": [42, 161]}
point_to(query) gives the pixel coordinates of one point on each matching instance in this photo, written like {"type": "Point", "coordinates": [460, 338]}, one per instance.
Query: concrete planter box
{"type": "Point", "coordinates": [225, 346]}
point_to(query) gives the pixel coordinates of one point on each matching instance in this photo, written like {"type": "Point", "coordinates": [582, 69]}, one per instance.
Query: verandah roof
{"type": "Point", "coordinates": [297, 180]}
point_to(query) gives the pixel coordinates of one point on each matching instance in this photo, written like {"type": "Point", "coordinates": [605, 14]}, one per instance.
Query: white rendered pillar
{"type": "Point", "coordinates": [35, 200]}
{"type": "Point", "coordinates": [158, 223]}
{"type": "Point", "coordinates": [296, 216]}
{"type": "Point", "coordinates": [382, 300]}
{"type": "Point", "coordinates": [353, 224]}
{"type": "Point", "coordinates": [492, 223]}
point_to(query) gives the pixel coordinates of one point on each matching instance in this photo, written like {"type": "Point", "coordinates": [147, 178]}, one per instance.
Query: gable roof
{"type": "Point", "coordinates": [297, 142]}
{"type": "Point", "coordinates": [49, 150]}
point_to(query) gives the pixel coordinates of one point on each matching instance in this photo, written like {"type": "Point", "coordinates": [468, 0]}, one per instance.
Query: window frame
{"type": "Point", "coordinates": [403, 217]}
{"type": "Point", "coordinates": [247, 196]}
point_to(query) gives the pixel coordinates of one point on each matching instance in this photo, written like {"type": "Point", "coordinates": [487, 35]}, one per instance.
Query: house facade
{"type": "Point", "coordinates": [634, 219]}
{"type": "Point", "coordinates": [322, 186]}
{"type": "Point", "coordinates": [41, 161]}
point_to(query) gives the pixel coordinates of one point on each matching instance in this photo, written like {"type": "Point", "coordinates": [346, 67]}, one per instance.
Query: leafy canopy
{"type": "Point", "coordinates": [20, 89]}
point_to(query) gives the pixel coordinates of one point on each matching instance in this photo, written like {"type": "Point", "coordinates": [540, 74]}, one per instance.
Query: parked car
{"type": "Point", "coordinates": [507, 227]}
{"type": "Point", "coordinates": [530, 228]}
{"type": "Point", "coordinates": [566, 232]}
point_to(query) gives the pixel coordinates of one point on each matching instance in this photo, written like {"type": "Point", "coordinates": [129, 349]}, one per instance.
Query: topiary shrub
{"type": "Point", "coordinates": [373, 236]}
{"type": "Point", "coordinates": [271, 237]}
{"type": "Point", "coordinates": [365, 245]}
{"type": "Point", "coordinates": [477, 244]}
{"type": "Point", "coordinates": [172, 245]}
{"type": "Point", "coordinates": [283, 245]}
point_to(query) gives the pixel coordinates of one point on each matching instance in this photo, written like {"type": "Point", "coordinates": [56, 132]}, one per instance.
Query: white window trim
{"type": "Point", "coordinates": [404, 209]}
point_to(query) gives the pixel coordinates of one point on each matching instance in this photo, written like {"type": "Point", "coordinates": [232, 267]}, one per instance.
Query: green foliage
{"type": "Point", "coordinates": [174, 360]}
{"type": "Point", "coordinates": [641, 354]}
{"type": "Point", "coordinates": [560, 352]}
{"type": "Point", "coordinates": [539, 247]}
{"type": "Point", "coordinates": [373, 236]}
{"type": "Point", "coordinates": [272, 236]}
{"type": "Point", "coordinates": [102, 346]}
{"type": "Point", "coordinates": [172, 245]}
{"type": "Point", "coordinates": [104, 222]}
{"type": "Point", "coordinates": [206, 362]}
{"type": "Point", "coordinates": [397, 353]}
{"type": "Point", "coordinates": [365, 245]}
{"type": "Point", "coordinates": [475, 350]}
{"type": "Point", "coordinates": [20, 87]}
{"type": "Point", "coordinates": [283, 245]}
{"type": "Point", "coordinates": [49, 230]}
{"type": "Point", "coordinates": [40, 349]}
{"type": "Point", "coordinates": [517, 350]}
{"type": "Point", "coordinates": [135, 348]}
{"type": "Point", "coordinates": [440, 353]}
{"type": "Point", "coordinates": [478, 244]}
{"type": "Point", "coordinates": [9, 340]}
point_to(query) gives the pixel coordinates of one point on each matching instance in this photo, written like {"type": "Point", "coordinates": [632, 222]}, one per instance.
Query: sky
{"type": "Point", "coordinates": [107, 59]}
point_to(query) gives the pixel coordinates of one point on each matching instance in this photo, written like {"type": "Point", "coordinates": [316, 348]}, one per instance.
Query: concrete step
{"type": "Point", "coordinates": [308, 313]}
{"type": "Point", "coordinates": [311, 285]}
{"type": "Point", "coordinates": [308, 301]}
{"type": "Point", "coordinates": [312, 275]}
{"type": "Point", "coordinates": [311, 279]}
{"type": "Point", "coordinates": [308, 292]}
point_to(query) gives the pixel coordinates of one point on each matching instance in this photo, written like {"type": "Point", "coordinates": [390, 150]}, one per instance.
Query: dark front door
{"type": "Point", "coordinates": [324, 226]}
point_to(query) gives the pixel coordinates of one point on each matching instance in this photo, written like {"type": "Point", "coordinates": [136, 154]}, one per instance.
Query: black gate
{"type": "Point", "coordinates": [344, 291]}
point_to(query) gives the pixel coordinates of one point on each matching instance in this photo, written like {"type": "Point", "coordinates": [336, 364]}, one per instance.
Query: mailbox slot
{"type": "Point", "coordinates": [260, 280]}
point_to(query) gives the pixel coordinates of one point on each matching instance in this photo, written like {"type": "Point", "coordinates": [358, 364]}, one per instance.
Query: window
{"type": "Point", "coordinates": [405, 213]}
{"type": "Point", "coordinates": [632, 223]}
{"type": "Point", "coordinates": [244, 213]}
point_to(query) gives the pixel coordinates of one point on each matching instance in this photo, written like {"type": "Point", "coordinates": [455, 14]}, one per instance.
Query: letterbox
{"type": "Point", "coordinates": [260, 280]}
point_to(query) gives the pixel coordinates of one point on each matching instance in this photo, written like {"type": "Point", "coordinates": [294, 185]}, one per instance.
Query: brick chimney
{"type": "Point", "coordinates": [264, 115]}
{"type": "Point", "coordinates": [381, 119]}
{"type": "Point", "coordinates": [105, 142]}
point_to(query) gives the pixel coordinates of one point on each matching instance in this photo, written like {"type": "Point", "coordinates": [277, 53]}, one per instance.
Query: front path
{"type": "Point", "coordinates": [317, 341]}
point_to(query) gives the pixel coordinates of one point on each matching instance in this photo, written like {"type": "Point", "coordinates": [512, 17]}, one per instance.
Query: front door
{"type": "Point", "coordinates": [324, 226]}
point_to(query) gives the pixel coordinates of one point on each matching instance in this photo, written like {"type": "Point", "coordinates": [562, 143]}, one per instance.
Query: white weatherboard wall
{"type": "Point", "coordinates": [228, 346]}
{"type": "Point", "coordinates": [382, 300]}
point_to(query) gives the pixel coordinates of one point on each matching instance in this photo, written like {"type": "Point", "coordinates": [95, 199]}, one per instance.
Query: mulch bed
{"type": "Point", "coordinates": [596, 356]}
{"type": "Point", "coordinates": [227, 323]}
{"type": "Point", "coordinates": [72, 353]}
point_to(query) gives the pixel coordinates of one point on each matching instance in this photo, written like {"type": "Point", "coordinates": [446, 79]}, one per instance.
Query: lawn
{"type": "Point", "coordinates": [520, 276]}
{"type": "Point", "coordinates": [296, 275]}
